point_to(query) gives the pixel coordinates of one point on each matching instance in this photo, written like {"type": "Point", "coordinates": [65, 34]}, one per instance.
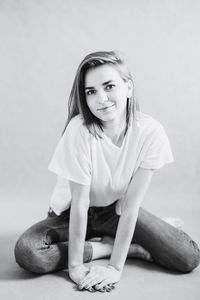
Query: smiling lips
{"type": "Point", "coordinates": [106, 108]}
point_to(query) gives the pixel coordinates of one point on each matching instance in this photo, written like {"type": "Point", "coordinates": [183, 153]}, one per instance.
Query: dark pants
{"type": "Point", "coordinates": [43, 248]}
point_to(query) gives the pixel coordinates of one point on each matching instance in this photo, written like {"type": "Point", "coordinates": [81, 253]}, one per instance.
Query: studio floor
{"type": "Point", "coordinates": [140, 280]}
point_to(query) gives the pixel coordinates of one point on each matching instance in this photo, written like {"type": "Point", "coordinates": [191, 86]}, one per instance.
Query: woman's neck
{"type": "Point", "coordinates": [115, 130]}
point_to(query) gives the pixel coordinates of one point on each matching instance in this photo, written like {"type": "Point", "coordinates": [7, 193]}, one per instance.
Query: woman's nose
{"type": "Point", "coordinates": [102, 97]}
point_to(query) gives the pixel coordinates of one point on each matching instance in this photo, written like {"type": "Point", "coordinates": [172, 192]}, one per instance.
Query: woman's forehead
{"type": "Point", "coordinates": [101, 74]}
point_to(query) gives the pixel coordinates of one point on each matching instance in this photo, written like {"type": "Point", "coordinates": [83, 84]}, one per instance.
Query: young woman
{"type": "Point", "coordinates": [104, 163]}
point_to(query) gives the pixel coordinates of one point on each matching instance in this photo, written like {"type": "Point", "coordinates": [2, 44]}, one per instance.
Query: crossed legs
{"type": "Point", "coordinates": [43, 248]}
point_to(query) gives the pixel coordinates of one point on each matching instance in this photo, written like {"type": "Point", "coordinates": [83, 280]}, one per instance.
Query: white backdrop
{"type": "Point", "coordinates": [42, 43]}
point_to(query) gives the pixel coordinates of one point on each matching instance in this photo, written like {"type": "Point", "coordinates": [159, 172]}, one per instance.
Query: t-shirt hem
{"type": "Point", "coordinates": [57, 211]}
{"type": "Point", "coordinates": [159, 166]}
{"type": "Point", "coordinates": [67, 177]}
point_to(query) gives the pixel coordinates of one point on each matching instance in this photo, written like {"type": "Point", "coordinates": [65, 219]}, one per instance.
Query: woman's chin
{"type": "Point", "coordinates": [107, 117]}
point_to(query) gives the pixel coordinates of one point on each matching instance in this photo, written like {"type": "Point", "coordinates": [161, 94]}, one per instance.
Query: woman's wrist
{"type": "Point", "coordinates": [116, 268]}
{"type": "Point", "coordinates": [73, 266]}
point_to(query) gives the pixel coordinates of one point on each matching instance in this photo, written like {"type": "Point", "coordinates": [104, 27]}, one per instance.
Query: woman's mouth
{"type": "Point", "coordinates": [106, 108]}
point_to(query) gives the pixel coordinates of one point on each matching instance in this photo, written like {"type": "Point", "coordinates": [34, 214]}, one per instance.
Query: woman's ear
{"type": "Point", "coordinates": [130, 88]}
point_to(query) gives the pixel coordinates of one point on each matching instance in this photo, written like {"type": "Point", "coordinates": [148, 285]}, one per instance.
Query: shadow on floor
{"type": "Point", "coordinates": [150, 266]}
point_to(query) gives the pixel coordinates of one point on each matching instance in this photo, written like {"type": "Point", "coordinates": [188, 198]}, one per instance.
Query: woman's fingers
{"type": "Point", "coordinates": [98, 278]}
{"type": "Point", "coordinates": [87, 280]}
{"type": "Point", "coordinates": [104, 285]}
{"type": "Point", "coordinates": [90, 281]}
{"type": "Point", "coordinates": [112, 286]}
{"type": "Point", "coordinates": [106, 288]}
{"type": "Point", "coordinates": [91, 290]}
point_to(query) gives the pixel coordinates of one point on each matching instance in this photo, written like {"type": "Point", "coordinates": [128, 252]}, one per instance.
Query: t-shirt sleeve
{"type": "Point", "coordinates": [72, 159]}
{"type": "Point", "coordinates": [157, 149]}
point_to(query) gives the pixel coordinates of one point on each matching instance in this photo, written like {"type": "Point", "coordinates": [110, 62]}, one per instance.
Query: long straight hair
{"type": "Point", "coordinates": [77, 100]}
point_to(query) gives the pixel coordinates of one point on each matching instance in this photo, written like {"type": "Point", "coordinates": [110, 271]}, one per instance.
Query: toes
{"type": "Point", "coordinates": [147, 255]}
{"type": "Point", "coordinates": [142, 253]}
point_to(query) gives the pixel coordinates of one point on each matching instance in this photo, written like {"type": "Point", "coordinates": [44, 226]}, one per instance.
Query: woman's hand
{"type": "Point", "coordinates": [78, 273]}
{"type": "Point", "coordinates": [101, 278]}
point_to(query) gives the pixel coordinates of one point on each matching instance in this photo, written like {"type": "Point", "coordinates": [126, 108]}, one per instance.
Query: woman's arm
{"type": "Point", "coordinates": [77, 230]}
{"type": "Point", "coordinates": [101, 276]}
{"type": "Point", "coordinates": [126, 226]}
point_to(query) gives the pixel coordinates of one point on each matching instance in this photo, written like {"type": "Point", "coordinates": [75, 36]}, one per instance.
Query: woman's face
{"type": "Point", "coordinates": [106, 92]}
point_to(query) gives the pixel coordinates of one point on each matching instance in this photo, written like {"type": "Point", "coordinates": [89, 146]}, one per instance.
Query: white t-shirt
{"type": "Point", "coordinates": [107, 168]}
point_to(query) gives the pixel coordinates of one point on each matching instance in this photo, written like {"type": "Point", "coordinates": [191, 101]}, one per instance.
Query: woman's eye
{"type": "Point", "coordinates": [110, 86]}
{"type": "Point", "coordinates": [90, 92]}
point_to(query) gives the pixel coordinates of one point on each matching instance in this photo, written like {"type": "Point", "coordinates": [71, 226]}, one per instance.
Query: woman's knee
{"type": "Point", "coordinates": [186, 259]}
{"type": "Point", "coordinates": [29, 257]}
{"type": "Point", "coordinates": [191, 260]}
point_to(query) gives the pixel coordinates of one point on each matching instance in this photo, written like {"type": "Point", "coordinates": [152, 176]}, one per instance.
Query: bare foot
{"type": "Point", "coordinates": [102, 246]}
{"type": "Point", "coordinates": [138, 251]}
{"type": "Point", "coordinates": [135, 250]}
